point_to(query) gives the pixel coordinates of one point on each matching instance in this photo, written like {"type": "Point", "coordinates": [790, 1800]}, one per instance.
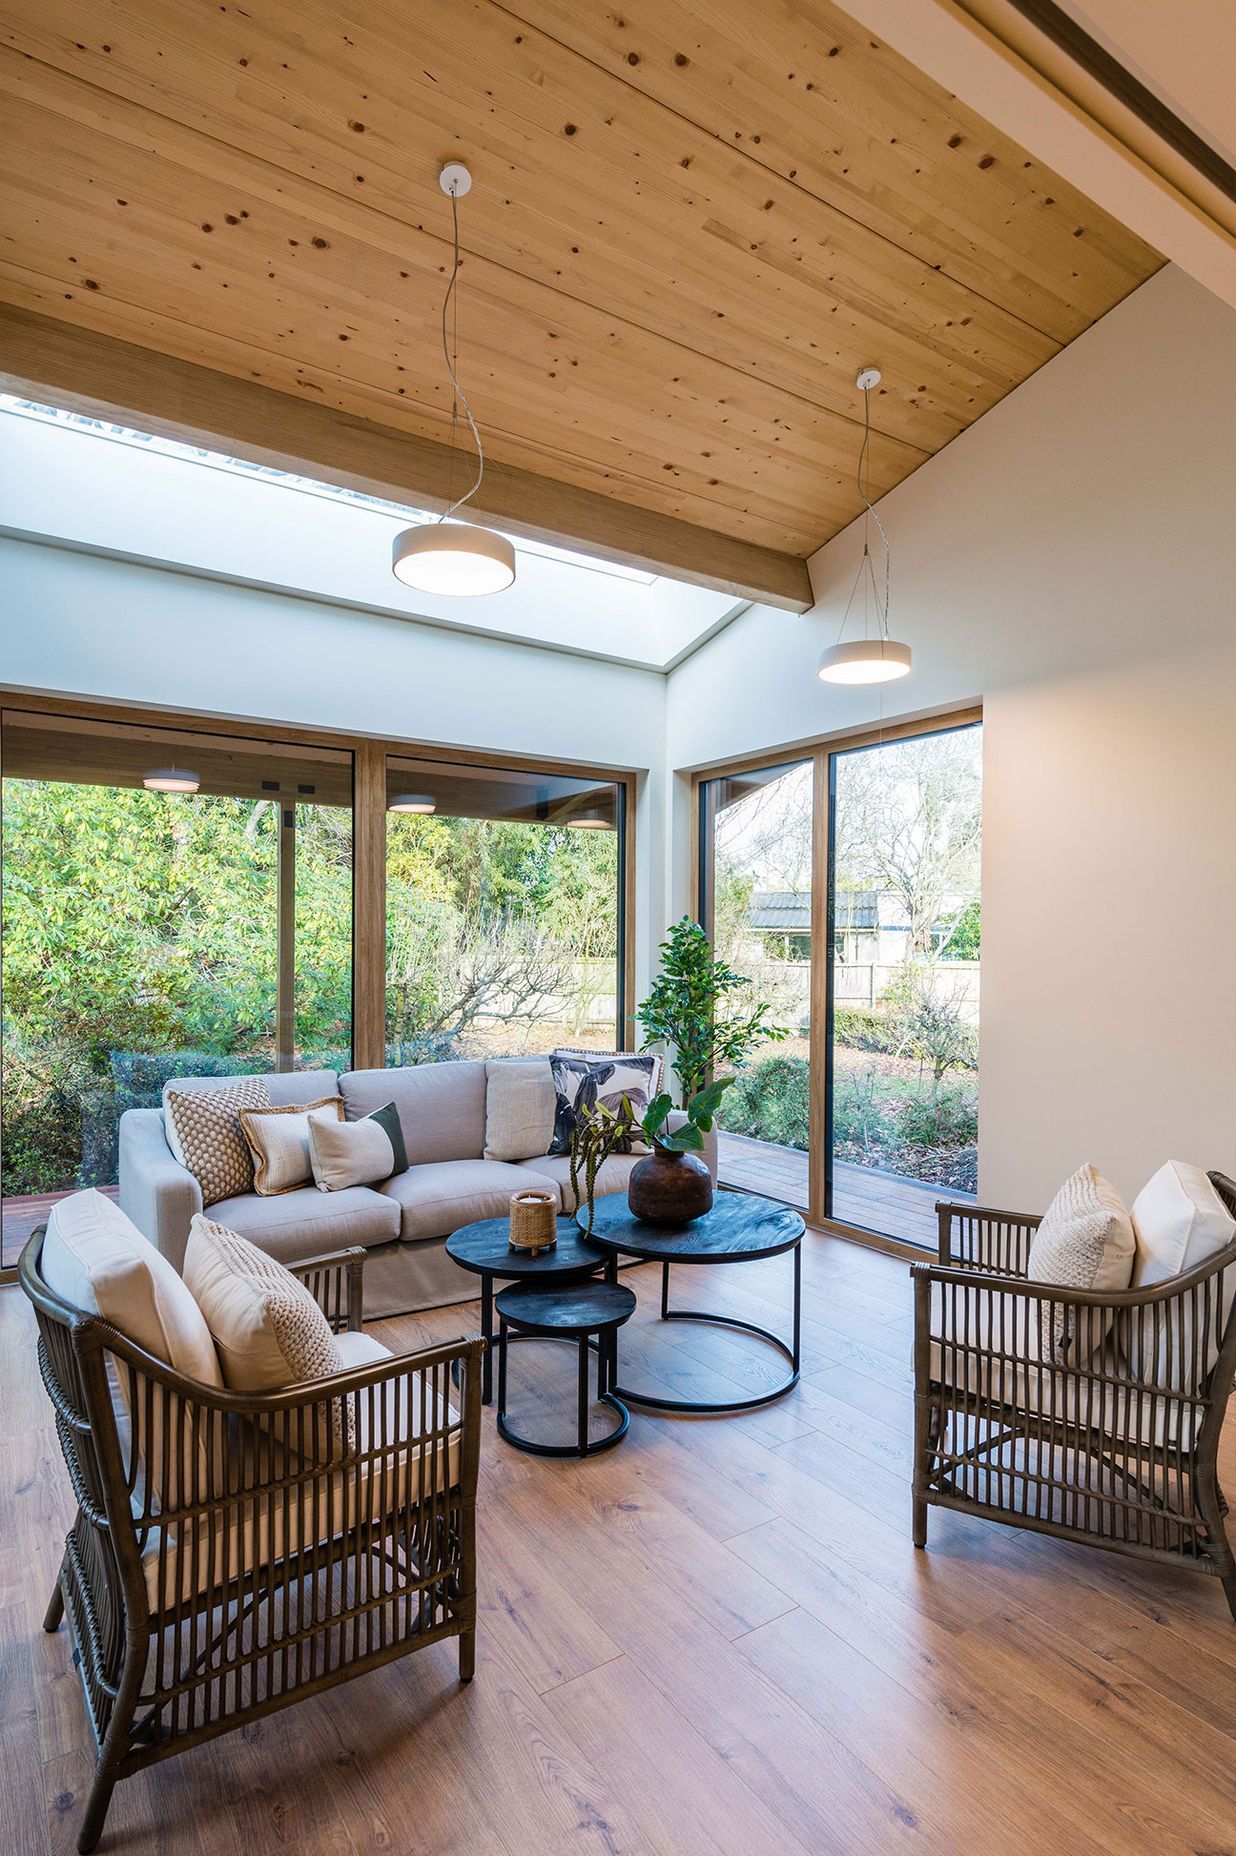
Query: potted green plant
{"type": "Point", "coordinates": [692, 1009]}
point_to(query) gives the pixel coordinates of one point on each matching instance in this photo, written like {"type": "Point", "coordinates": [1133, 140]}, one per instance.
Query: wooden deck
{"type": "Point", "coordinates": [885, 1202]}
{"type": "Point", "coordinates": [718, 1640]}
{"type": "Point", "coordinates": [20, 1218]}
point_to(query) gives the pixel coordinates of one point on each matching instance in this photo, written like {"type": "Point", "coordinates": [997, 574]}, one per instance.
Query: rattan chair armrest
{"type": "Point", "coordinates": [336, 1283]}
{"type": "Point", "coordinates": [980, 1238]}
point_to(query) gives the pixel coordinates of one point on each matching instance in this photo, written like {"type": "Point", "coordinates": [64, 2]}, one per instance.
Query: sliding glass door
{"type": "Point", "coordinates": [901, 1048]}
{"type": "Point", "coordinates": [755, 903]}
{"type": "Point", "coordinates": [844, 887]}
{"type": "Point", "coordinates": [173, 904]}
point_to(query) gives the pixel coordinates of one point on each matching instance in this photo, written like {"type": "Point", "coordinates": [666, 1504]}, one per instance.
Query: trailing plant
{"type": "Point", "coordinates": [598, 1132]}
{"type": "Point", "coordinates": [693, 1008]}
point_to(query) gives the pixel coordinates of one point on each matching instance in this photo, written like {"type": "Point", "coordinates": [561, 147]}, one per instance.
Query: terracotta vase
{"type": "Point", "coordinates": [669, 1188]}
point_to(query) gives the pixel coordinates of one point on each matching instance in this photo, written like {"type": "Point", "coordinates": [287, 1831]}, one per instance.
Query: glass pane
{"type": "Point", "coordinates": [503, 912]}
{"type": "Point", "coordinates": [902, 1095]}
{"type": "Point", "coordinates": [757, 830]}
{"type": "Point", "coordinates": [141, 934]}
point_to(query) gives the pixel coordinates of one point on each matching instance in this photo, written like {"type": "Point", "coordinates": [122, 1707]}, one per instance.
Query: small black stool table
{"type": "Point", "coordinates": [485, 1249]}
{"type": "Point", "coordinates": [576, 1314]}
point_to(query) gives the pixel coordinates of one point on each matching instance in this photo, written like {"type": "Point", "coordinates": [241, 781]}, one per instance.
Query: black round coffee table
{"type": "Point", "coordinates": [537, 1312]}
{"type": "Point", "coordinates": [485, 1249]}
{"type": "Point", "coordinates": [740, 1228]}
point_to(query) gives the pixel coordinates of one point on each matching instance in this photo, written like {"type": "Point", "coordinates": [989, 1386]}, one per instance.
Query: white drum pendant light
{"type": "Point", "coordinates": [171, 780]}
{"type": "Point", "coordinates": [875, 657]}
{"type": "Point", "coordinates": [446, 556]}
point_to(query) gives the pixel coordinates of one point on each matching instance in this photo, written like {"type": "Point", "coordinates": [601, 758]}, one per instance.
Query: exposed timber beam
{"type": "Point", "coordinates": [65, 365]}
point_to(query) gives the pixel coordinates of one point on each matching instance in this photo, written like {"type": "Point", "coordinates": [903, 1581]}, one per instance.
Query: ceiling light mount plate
{"type": "Point", "coordinates": [455, 179]}
{"type": "Point", "coordinates": [868, 377]}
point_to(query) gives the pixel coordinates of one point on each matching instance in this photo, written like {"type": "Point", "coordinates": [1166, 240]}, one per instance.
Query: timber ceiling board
{"type": "Point", "coordinates": [693, 220]}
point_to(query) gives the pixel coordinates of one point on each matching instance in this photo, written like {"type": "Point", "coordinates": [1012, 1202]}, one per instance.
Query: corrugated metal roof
{"type": "Point", "coordinates": [788, 910]}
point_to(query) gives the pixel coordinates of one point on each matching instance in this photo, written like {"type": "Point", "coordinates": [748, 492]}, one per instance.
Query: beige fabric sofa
{"type": "Point", "coordinates": [402, 1223]}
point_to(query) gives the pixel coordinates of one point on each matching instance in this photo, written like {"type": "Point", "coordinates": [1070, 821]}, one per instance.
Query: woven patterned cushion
{"type": "Point", "coordinates": [1085, 1241]}
{"type": "Point", "coordinates": [278, 1140]}
{"type": "Point", "coordinates": [582, 1082]}
{"type": "Point", "coordinates": [267, 1329]}
{"type": "Point", "coordinates": [209, 1138]}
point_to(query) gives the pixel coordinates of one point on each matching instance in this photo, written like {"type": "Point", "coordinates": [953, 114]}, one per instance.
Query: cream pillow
{"type": "Point", "coordinates": [1180, 1222]}
{"type": "Point", "coordinates": [357, 1153]}
{"type": "Point", "coordinates": [268, 1330]}
{"type": "Point", "coordinates": [1085, 1241]}
{"type": "Point", "coordinates": [278, 1140]}
{"type": "Point", "coordinates": [97, 1260]}
{"type": "Point", "coordinates": [520, 1105]}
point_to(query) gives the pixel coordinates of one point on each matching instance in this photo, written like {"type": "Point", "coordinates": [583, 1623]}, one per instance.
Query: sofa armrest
{"type": "Point", "coordinates": [156, 1192]}
{"type": "Point", "coordinates": [677, 1119]}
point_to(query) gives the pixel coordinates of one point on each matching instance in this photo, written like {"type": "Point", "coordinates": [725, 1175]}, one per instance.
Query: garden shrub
{"type": "Point", "coordinates": [865, 1028]}
{"type": "Point", "coordinates": [939, 1118]}
{"type": "Point", "coordinates": [769, 1102]}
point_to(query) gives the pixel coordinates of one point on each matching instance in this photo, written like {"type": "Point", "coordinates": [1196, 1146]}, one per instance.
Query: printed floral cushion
{"type": "Point", "coordinates": [581, 1082]}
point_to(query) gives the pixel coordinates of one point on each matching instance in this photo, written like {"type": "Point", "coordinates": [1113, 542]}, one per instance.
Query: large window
{"type": "Point", "coordinates": [867, 1112]}
{"type": "Point", "coordinates": [504, 911]}
{"type": "Point", "coordinates": [154, 933]}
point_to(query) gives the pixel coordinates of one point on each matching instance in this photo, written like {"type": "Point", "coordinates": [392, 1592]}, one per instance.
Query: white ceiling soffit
{"type": "Point", "coordinates": [1130, 100]}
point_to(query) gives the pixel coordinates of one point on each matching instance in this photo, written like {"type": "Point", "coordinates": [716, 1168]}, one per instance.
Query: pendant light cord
{"type": "Point", "coordinates": [460, 397]}
{"type": "Point", "coordinates": [866, 572]}
{"type": "Point", "coordinates": [874, 514]}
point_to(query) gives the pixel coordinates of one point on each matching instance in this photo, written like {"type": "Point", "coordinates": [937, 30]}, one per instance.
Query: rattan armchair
{"type": "Point", "coordinates": [1085, 1450]}
{"type": "Point", "coordinates": [312, 1534]}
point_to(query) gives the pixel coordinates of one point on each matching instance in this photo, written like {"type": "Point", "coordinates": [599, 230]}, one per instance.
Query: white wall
{"type": "Point", "coordinates": [82, 624]}
{"type": "Point", "coordinates": [1070, 560]}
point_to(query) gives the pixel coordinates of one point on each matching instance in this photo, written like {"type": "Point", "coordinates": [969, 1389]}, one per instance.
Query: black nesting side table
{"type": "Point", "coordinates": [740, 1228]}
{"type": "Point", "coordinates": [485, 1249]}
{"type": "Point", "coordinates": [574, 1314]}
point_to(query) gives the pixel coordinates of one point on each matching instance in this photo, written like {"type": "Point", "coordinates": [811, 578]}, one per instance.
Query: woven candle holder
{"type": "Point", "coordinates": [534, 1220]}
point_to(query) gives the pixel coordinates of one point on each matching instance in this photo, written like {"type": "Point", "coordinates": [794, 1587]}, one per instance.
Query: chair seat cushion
{"type": "Point", "coordinates": [252, 1532]}
{"type": "Point", "coordinates": [614, 1175]}
{"type": "Point", "coordinates": [307, 1223]}
{"type": "Point", "coordinates": [435, 1199]}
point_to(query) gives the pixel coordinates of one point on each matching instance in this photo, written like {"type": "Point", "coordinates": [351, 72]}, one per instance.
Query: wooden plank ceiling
{"type": "Point", "coordinates": [692, 222]}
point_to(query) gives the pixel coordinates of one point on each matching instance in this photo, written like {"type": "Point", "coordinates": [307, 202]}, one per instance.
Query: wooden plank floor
{"type": "Point", "coordinates": [715, 1641]}
{"type": "Point", "coordinates": [874, 1201]}
{"type": "Point", "coordinates": [21, 1217]}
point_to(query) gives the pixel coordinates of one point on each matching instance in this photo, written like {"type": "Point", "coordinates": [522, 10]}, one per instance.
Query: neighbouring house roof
{"type": "Point", "coordinates": [787, 910]}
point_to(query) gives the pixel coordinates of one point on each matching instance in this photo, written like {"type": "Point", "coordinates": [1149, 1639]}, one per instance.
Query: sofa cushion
{"type": "Point", "coordinates": [268, 1330]}
{"type": "Point", "coordinates": [97, 1260]}
{"type": "Point", "coordinates": [308, 1223]}
{"type": "Point", "coordinates": [1084, 1242]}
{"type": "Point", "coordinates": [279, 1142]}
{"type": "Point", "coordinates": [441, 1106]}
{"type": "Point", "coordinates": [520, 1105]}
{"type": "Point", "coordinates": [281, 1086]}
{"type": "Point", "coordinates": [435, 1199]}
{"type": "Point", "coordinates": [204, 1133]}
{"type": "Point", "coordinates": [357, 1153]}
{"type": "Point", "coordinates": [621, 1084]}
{"type": "Point", "coordinates": [1180, 1222]}
{"type": "Point", "coordinates": [614, 1175]}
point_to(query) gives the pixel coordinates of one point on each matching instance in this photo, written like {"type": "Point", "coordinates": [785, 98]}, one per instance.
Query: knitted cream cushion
{"type": "Point", "coordinates": [1085, 1241]}
{"type": "Point", "coordinates": [520, 1105]}
{"type": "Point", "coordinates": [268, 1330]}
{"type": "Point", "coordinates": [279, 1142]}
{"type": "Point", "coordinates": [205, 1134]}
